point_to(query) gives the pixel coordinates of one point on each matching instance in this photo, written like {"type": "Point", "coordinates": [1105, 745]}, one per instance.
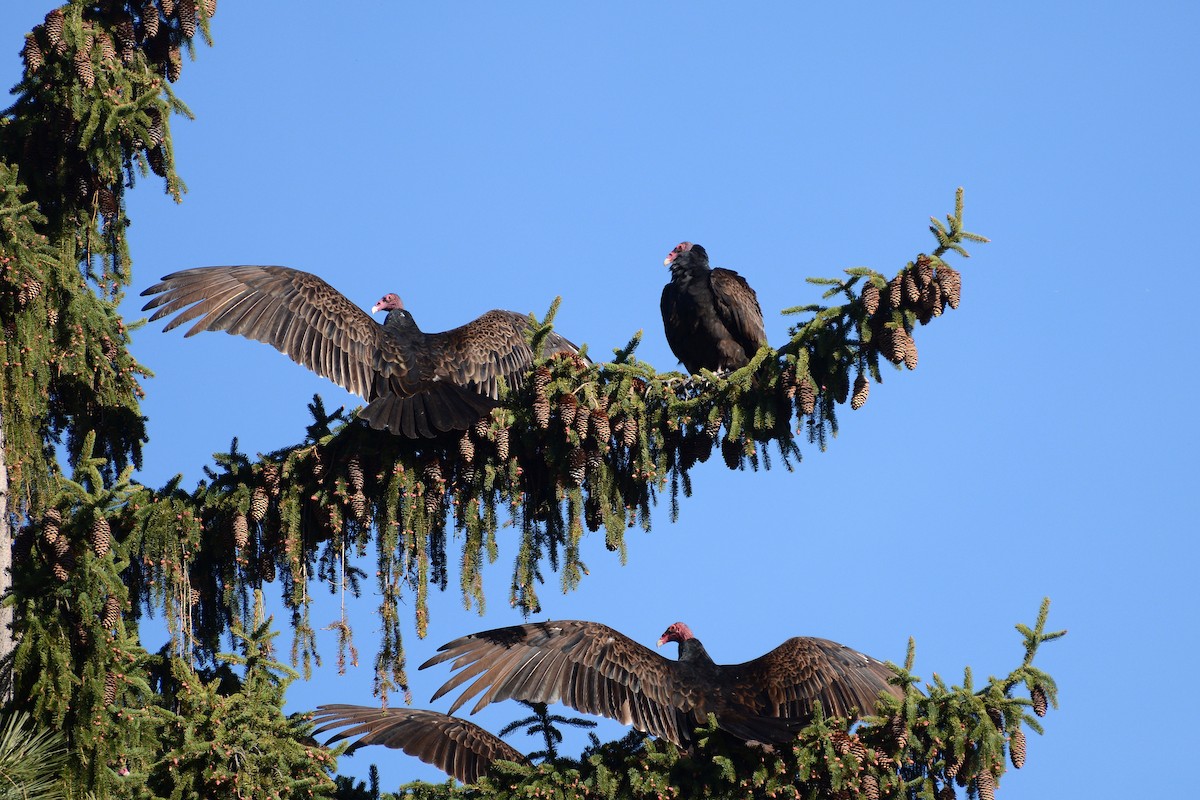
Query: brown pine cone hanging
{"type": "Point", "coordinates": [187, 17]}
{"type": "Point", "coordinates": [985, 784]}
{"type": "Point", "coordinates": [583, 415]}
{"type": "Point", "coordinates": [266, 567]}
{"type": "Point", "coordinates": [83, 65]}
{"type": "Point", "coordinates": [51, 316]}
{"type": "Point", "coordinates": [870, 298]}
{"type": "Point", "coordinates": [931, 301]}
{"type": "Point", "coordinates": [210, 7]}
{"type": "Point", "coordinates": [601, 428]}
{"type": "Point", "coordinates": [1038, 695]}
{"type": "Point", "coordinates": [502, 444]}
{"type": "Point", "coordinates": [270, 475]}
{"type": "Point", "coordinates": [157, 161]}
{"type": "Point", "coordinates": [862, 388]}
{"type": "Point", "coordinates": [106, 201]}
{"type": "Point", "coordinates": [32, 53]}
{"type": "Point", "coordinates": [168, 7]}
{"type": "Point", "coordinates": [712, 427]}
{"type": "Point", "coordinates": [126, 38]}
{"type": "Point", "coordinates": [51, 524]}
{"type": "Point", "coordinates": [808, 396]}
{"type": "Point", "coordinates": [841, 386]}
{"type": "Point", "coordinates": [924, 270]}
{"type": "Point", "coordinates": [149, 20]}
{"type": "Point", "coordinates": [60, 572]}
{"type": "Point", "coordinates": [628, 431]}
{"type": "Point", "coordinates": [912, 292]}
{"type": "Point", "coordinates": [731, 451]}
{"type": "Point", "coordinates": [1016, 748]}
{"type": "Point", "coordinates": [997, 718]}
{"type": "Point", "coordinates": [110, 689]}
{"type": "Point", "coordinates": [541, 410]}
{"type": "Point", "coordinates": [434, 484]}
{"type": "Point", "coordinates": [22, 546]}
{"type": "Point", "coordinates": [951, 283]}
{"type": "Point", "coordinates": [870, 787]}
{"type": "Point", "coordinates": [568, 405]}
{"type": "Point", "coordinates": [358, 506]}
{"type": "Point", "coordinates": [577, 469]}
{"type": "Point", "coordinates": [241, 530]}
{"type": "Point", "coordinates": [910, 352]}
{"type": "Point", "coordinates": [174, 63]}
{"type": "Point", "coordinates": [466, 448]}
{"type": "Point", "coordinates": [952, 767]}
{"type": "Point", "coordinates": [946, 793]}
{"type": "Point", "coordinates": [54, 31]}
{"type": "Point", "coordinates": [258, 504]}
{"type": "Point", "coordinates": [100, 536]}
{"type": "Point", "coordinates": [899, 732]}
{"type": "Point", "coordinates": [112, 613]}
{"type": "Point", "coordinates": [108, 50]}
{"type": "Point", "coordinates": [481, 428]}
{"type": "Point", "coordinates": [30, 290]}
{"type": "Point", "coordinates": [895, 292]}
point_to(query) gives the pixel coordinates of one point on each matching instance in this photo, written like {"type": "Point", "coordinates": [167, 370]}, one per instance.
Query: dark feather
{"type": "Point", "coordinates": [711, 317]}
{"type": "Point", "coordinates": [457, 747]}
{"type": "Point", "coordinates": [597, 670]}
{"type": "Point", "coordinates": [416, 384]}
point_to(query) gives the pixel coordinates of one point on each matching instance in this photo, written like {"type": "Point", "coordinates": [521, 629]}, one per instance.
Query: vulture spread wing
{"type": "Point", "coordinates": [295, 312]}
{"type": "Point", "coordinates": [457, 747]}
{"type": "Point", "coordinates": [585, 665]}
{"type": "Point", "coordinates": [597, 670]}
{"type": "Point", "coordinates": [416, 384]}
{"type": "Point", "coordinates": [785, 681]}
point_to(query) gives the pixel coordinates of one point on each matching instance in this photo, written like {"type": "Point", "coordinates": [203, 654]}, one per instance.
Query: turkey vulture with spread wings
{"type": "Point", "coordinates": [711, 316]}
{"type": "Point", "coordinates": [597, 670]}
{"type": "Point", "coordinates": [457, 747]}
{"type": "Point", "coordinates": [416, 384]}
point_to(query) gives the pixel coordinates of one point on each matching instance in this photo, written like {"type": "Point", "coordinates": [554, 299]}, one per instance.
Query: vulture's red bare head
{"type": "Point", "coordinates": [676, 633]}
{"type": "Point", "coordinates": [680, 248]}
{"type": "Point", "coordinates": [389, 302]}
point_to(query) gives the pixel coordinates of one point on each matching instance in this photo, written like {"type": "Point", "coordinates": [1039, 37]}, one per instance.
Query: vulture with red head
{"type": "Point", "coordinates": [597, 670]}
{"type": "Point", "coordinates": [711, 316]}
{"type": "Point", "coordinates": [457, 747]}
{"type": "Point", "coordinates": [416, 384]}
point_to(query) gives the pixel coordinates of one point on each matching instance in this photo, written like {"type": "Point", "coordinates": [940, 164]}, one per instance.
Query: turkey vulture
{"type": "Point", "coordinates": [453, 745]}
{"type": "Point", "coordinates": [416, 384]}
{"type": "Point", "coordinates": [711, 316]}
{"type": "Point", "coordinates": [597, 670]}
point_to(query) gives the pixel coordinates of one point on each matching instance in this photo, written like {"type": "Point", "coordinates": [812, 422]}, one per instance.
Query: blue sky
{"type": "Point", "coordinates": [476, 155]}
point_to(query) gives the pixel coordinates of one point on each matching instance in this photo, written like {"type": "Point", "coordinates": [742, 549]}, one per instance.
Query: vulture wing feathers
{"type": "Point", "coordinates": [711, 317]}
{"type": "Point", "coordinates": [457, 747]}
{"type": "Point", "coordinates": [585, 665]}
{"type": "Point", "coordinates": [597, 670]}
{"type": "Point", "coordinates": [416, 384]}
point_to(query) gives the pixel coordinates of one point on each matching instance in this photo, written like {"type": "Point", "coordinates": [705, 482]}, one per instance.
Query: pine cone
{"type": "Point", "coordinates": [895, 293]}
{"type": "Point", "coordinates": [354, 473]}
{"type": "Point", "coordinates": [952, 767]}
{"type": "Point", "coordinates": [568, 405]}
{"type": "Point", "coordinates": [112, 613]}
{"type": "Point", "coordinates": [110, 689]}
{"type": "Point", "coordinates": [731, 451]}
{"type": "Point", "coordinates": [870, 787]}
{"type": "Point", "coordinates": [210, 7]}
{"type": "Point", "coordinates": [258, 504]}
{"type": "Point", "coordinates": [187, 17]}
{"type": "Point", "coordinates": [241, 530]}
{"type": "Point", "coordinates": [157, 161]}
{"type": "Point", "coordinates": [910, 352]}
{"type": "Point", "coordinates": [466, 448]}
{"type": "Point", "coordinates": [629, 431]}
{"type": "Point", "coordinates": [32, 53]}
{"type": "Point", "coordinates": [924, 270]}
{"type": "Point", "coordinates": [107, 201]}
{"type": "Point", "coordinates": [582, 416]}
{"type": "Point", "coordinates": [22, 546]}
{"type": "Point", "coordinates": [100, 536]}
{"type": "Point", "coordinates": [51, 525]}
{"type": "Point", "coordinates": [912, 292]}
{"type": "Point", "coordinates": [51, 316]}
{"type": "Point", "coordinates": [31, 289]}
{"type": "Point", "coordinates": [149, 20]}
{"type": "Point", "coordinates": [577, 469]}
{"type": "Point", "coordinates": [541, 410]}
{"type": "Point", "coordinates": [541, 378]}
{"type": "Point", "coordinates": [358, 506]}
{"type": "Point", "coordinates": [168, 7]}
{"type": "Point", "coordinates": [862, 388]}
{"type": "Point", "coordinates": [712, 427]}
{"type": "Point", "coordinates": [126, 38]}
{"type": "Point", "coordinates": [870, 298]}
{"type": "Point", "coordinates": [108, 50]}
{"type": "Point", "coordinates": [266, 567]}
{"type": "Point", "coordinates": [174, 63]}
{"type": "Point", "coordinates": [601, 428]}
{"type": "Point", "coordinates": [434, 484]}
{"type": "Point", "coordinates": [1038, 695]}
{"type": "Point", "coordinates": [946, 793]}
{"type": "Point", "coordinates": [481, 428]}
{"type": "Point", "coordinates": [1016, 748]}
{"type": "Point", "coordinates": [502, 444]}
{"type": "Point", "coordinates": [62, 550]}
{"type": "Point", "coordinates": [951, 282]}
{"type": "Point", "coordinates": [593, 515]}
{"type": "Point", "coordinates": [270, 473]}
{"type": "Point", "coordinates": [54, 31]}
{"type": "Point", "coordinates": [997, 718]}
{"type": "Point", "coordinates": [841, 386]}
{"type": "Point", "coordinates": [985, 784]}
{"type": "Point", "coordinates": [60, 572]}
{"type": "Point", "coordinates": [83, 65]}
{"type": "Point", "coordinates": [808, 396]}
{"type": "Point", "coordinates": [899, 732]}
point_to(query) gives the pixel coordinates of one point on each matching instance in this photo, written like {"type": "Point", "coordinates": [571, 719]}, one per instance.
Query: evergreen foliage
{"type": "Point", "coordinates": [32, 761]}
{"type": "Point", "coordinates": [542, 723]}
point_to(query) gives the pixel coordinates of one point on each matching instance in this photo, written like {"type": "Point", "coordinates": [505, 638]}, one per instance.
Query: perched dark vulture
{"type": "Point", "coordinates": [416, 384]}
{"type": "Point", "coordinates": [711, 316]}
{"type": "Point", "coordinates": [597, 670]}
{"type": "Point", "coordinates": [457, 747]}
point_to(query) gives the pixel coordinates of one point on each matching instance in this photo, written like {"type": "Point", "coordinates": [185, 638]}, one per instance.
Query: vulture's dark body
{"type": "Point", "coordinates": [457, 747]}
{"type": "Point", "coordinates": [416, 384]}
{"type": "Point", "coordinates": [597, 670]}
{"type": "Point", "coordinates": [711, 316]}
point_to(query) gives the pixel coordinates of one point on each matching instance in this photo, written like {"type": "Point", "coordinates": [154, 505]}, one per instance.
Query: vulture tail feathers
{"type": "Point", "coordinates": [443, 407]}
